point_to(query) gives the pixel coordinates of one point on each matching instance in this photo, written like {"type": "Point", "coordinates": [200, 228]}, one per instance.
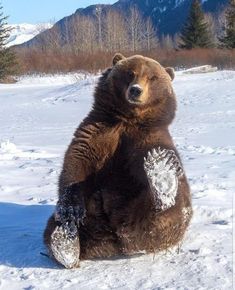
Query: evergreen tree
{"type": "Point", "coordinates": [196, 32]}
{"type": "Point", "coordinates": [228, 40]}
{"type": "Point", "coordinates": [7, 57]}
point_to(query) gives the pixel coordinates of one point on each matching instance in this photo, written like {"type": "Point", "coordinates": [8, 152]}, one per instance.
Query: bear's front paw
{"type": "Point", "coordinates": [70, 210]}
{"type": "Point", "coordinates": [163, 169]}
{"type": "Point", "coordinates": [64, 249]}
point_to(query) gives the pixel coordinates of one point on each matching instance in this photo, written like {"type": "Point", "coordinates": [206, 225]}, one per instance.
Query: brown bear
{"type": "Point", "coordinates": [122, 189]}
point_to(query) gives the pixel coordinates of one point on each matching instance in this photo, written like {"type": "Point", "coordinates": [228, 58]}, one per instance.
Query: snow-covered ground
{"type": "Point", "coordinates": [37, 120]}
{"type": "Point", "coordinates": [23, 32]}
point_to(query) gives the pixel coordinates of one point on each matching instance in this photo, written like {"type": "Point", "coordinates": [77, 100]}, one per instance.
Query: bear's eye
{"type": "Point", "coordinates": [153, 78]}
{"type": "Point", "coordinates": [130, 74]}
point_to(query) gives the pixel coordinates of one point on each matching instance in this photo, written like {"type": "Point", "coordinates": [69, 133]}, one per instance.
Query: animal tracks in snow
{"type": "Point", "coordinates": [37, 169]}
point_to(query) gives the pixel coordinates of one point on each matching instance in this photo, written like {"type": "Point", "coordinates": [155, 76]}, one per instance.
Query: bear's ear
{"type": "Point", "coordinates": [170, 72]}
{"type": "Point", "coordinates": [117, 57]}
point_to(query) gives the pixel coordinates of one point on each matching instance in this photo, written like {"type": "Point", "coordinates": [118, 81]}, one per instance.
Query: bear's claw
{"type": "Point", "coordinates": [70, 210]}
{"type": "Point", "coordinates": [163, 169]}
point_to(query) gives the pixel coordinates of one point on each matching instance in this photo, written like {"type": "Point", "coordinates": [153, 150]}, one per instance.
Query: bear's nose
{"type": "Point", "coordinates": [135, 91]}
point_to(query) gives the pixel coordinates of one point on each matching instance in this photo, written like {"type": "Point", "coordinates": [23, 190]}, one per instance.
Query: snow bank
{"type": "Point", "coordinates": [201, 69]}
{"type": "Point", "coordinates": [52, 79]}
{"type": "Point", "coordinates": [8, 147]}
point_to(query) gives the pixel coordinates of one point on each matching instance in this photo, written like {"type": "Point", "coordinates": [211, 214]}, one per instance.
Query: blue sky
{"type": "Point", "coordinates": [36, 11]}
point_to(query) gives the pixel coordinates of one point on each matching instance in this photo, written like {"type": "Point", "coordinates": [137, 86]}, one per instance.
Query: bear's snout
{"type": "Point", "coordinates": [134, 93]}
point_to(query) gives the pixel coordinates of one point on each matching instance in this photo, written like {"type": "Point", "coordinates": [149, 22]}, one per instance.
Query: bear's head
{"type": "Point", "coordinates": [137, 88]}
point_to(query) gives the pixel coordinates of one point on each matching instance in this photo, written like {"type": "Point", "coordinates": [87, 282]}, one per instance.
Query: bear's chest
{"type": "Point", "coordinates": [124, 170]}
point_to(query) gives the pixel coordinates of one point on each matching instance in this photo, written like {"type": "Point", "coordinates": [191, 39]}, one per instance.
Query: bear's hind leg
{"type": "Point", "coordinates": [63, 247]}
{"type": "Point", "coordinates": [163, 170]}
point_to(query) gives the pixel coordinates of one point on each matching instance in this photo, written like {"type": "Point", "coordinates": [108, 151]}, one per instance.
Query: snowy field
{"type": "Point", "coordinates": [37, 119]}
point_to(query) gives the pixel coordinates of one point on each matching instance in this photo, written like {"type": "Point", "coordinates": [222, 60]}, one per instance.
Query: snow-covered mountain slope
{"type": "Point", "coordinates": [37, 120]}
{"type": "Point", "coordinates": [23, 32]}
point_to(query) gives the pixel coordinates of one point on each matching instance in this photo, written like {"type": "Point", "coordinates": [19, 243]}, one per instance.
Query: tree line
{"type": "Point", "coordinates": [198, 31]}
{"type": "Point", "coordinates": [105, 31]}
{"type": "Point", "coordinates": [112, 31]}
{"type": "Point", "coordinates": [7, 57]}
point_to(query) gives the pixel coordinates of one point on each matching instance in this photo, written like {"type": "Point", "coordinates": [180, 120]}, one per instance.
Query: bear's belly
{"type": "Point", "coordinates": [125, 195]}
{"type": "Point", "coordinates": [154, 233]}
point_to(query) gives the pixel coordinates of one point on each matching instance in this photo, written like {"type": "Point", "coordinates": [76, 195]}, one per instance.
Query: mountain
{"type": "Point", "coordinates": [21, 33]}
{"type": "Point", "coordinates": [168, 16]}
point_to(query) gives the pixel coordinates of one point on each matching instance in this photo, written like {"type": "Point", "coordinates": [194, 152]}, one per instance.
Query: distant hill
{"type": "Point", "coordinates": [168, 16]}
{"type": "Point", "coordinates": [24, 32]}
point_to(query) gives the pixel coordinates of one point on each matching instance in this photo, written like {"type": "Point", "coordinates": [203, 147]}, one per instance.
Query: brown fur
{"type": "Point", "coordinates": [106, 157]}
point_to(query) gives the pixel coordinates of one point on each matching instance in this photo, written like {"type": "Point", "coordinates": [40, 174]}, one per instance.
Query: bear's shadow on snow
{"type": "Point", "coordinates": [21, 235]}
